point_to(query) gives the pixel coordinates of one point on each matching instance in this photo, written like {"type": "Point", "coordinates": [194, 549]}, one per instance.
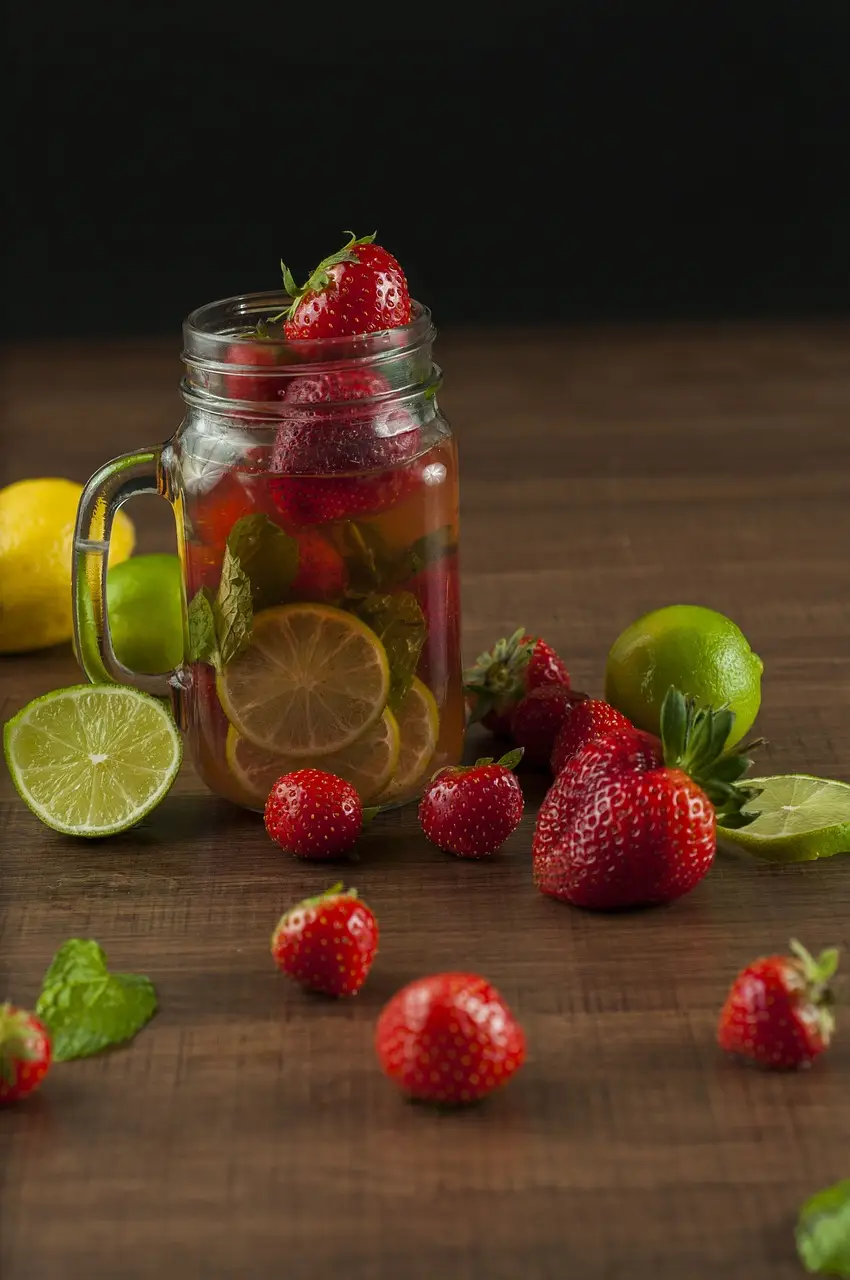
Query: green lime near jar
{"type": "Point", "coordinates": [145, 604]}
{"type": "Point", "coordinates": [690, 648]}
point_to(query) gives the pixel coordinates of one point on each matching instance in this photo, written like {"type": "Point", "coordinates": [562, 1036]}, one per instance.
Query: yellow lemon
{"type": "Point", "coordinates": [36, 535]}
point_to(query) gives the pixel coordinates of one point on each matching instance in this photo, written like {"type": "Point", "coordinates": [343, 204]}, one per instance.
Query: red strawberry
{"type": "Point", "coordinates": [501, 678]}
{"type": "Point", "coordinates": [536, 720]}
{"type": "Point", "coordinates": [322, 574]}
{"type": "Point", "coordinates": [449, 1038]}
{"type": "Point", "coordinates": [779, 1010]}
{"type": "Point", "coordinates": [631, 833]}
{"type": "Point", "coordinates": [314, 814]}
{"type": "Point", "coordinates": [24, 1053]}
{"type": "Point", "coordinates": [472, 810]}
{"type": "Point", "coordinates": [327, 943]}
{"type": "Point", "coordinates": [359, 289]}
{"type": "Point", "coordinates": [246, 386]}
{"type": "Point", "coordinates": [614, 752]}
{"type": "Point", "coordinates": [324, 439]}
{"type": "Point", "coordinates": [584, 722]}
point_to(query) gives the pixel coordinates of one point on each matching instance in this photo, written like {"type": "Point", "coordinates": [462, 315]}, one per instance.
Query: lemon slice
{"type": "Point", "coordinates": [93, 759]}
{"type": "Point", "coordinates": [368, 764]}
{"type": "Point", "coordinates": [312, 680]}
{"type": "Point", "coordinates": [419, 725]}
{"type": "Point", "coordinates": [799, 819]}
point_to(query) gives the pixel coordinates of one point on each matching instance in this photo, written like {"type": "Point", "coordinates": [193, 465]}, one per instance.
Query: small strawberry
{"type": "Point", "coordinates": [314, 814]}
{"type": "Point", "coordinates": [537, 719]}
{"type": "Point", "coordinates": [449, 1038]}
{"type": "Point", "coordinates": [260, 386]}
{"type": "Point", "coordinates": [631, 833]}
{"type": "Point", "coordinates": [338, 426]}
{"type": "Point", "coordinates": [472, 810]}
{"type": "Point", "coordinates": [359, 289]}
{"type": "Point", "coordinates": [502, 677]}
{"type": "Point", "coordinates": [585, 721]}
{"type": "Point", "coordinates": [24, 1053]}
{"type": "Point", "coordinates": [322, 574]}
{"type": "Point", "coordinates": [779, 1010]}
{"type": "Point", "coordinates": [327, 943]}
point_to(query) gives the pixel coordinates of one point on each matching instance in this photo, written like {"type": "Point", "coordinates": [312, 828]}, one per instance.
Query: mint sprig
{"type": "Point", "coordinates": [85, 1007]}
{"type": "Point", "coordinates": [267, 556]}
{"type": "Point", "coordinates": [398, 621]}
{"type": "Point", "coordinates": [233, 610]}
{"type": "Point", "coordinates": [823, 1232]}
{"type": "Point", "coordinates": [203, 645]}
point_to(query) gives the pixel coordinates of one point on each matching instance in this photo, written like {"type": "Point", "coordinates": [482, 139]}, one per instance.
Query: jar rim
{"type": "Point", "coordinates": [210, 330]}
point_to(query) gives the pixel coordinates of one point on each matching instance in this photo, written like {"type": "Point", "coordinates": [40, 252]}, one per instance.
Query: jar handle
{"type": "Point", "coordinates": [144, 471]}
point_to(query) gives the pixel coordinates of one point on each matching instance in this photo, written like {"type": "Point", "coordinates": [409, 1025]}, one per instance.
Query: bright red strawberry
{"type": "Point", "coordinates": [502, 677]}
{"type": "Point", "coordinates": [338, 425]}
{"type": "Point", "coordinates": [584, 722]}
{"type": "Point", "coordinates": [472, 810]}
{"type": "Point", "coordinates": [327, 943]}
{"type": "Point", "coordinates": [449, 1038]}
{"type": "Point", "coordinates": [322, 574]}
{"type": "Point", "coordinates": [614, 752]}
{"type": "Point", "coordinates": [779, 1010]}
{"type": "Point", "coordinates": [537, 719]}
{"type": "Point", "coordinates": [247, 386]}
{"type": "Point", "coordinates": [359, 289]}
{"type": "Point", "coordinates": [314, 814]}
{"type": "Point", "coordinates": [24, 1053]}
{"type": "Point", "coordinates": [637, 835]}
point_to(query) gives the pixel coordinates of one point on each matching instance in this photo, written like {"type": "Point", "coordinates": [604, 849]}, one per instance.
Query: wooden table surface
{"type": "Point", "coordinates": [248, 1132]}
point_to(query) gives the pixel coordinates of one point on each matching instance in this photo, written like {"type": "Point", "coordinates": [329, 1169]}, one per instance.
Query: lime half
{"type": "Point", "coordinates": [799, 819]}
{"type": "Point", "coordinates": [94, 759]}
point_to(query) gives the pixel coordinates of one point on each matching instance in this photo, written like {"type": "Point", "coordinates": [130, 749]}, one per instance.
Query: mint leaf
{"type": "Point", "coordinates": [428, 549]}
{"type": "Point", "coordinates": [267, 555]}
{"type": "Point", "coordinates": [823, 1232]}
{"type": "Point", "coordinates": [398, 621]}
{"type": "Point", "coordinates": [85, 1007]}
{"type": "Point", "coordinates": [203, 646]}
{"type": "Point", "coordinates": [371, 563]}
{"type": "Point", "coordinates": [233, 610]}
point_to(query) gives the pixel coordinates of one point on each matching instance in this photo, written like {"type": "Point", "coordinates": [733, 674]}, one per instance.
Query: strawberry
{"type": "Point", "coordinates": [503, 676]}
{"type": "Point", "coordinates": [584, 722]}
{"type": "Point", "coordinates": [359, 289]}
{"type": "Point", "coordinates": [449, 1038]}
{"type": "Point", "coordinates": [537, 719]}
{"type": "Point", "coordinates": [614, 752]}
{"type": "Point", "coordinates": [314, 814]}
{"type": "Point", "coordinates": [327, 943]}
{"type": "Point", "coordinates": [627, 832]}
{"type": "Point", "coordinates": [472, 810]}
{"type": "Point", "coordinates": [24, 1053]}
{"type": "Point", "coordinates": [779, 1009]}
{"type": "Point", "coordinates": [322, 574]}
{"type": "Point", "coordinates": [260, 386]}
{"type": "Point", "coordinates": [324, 438]}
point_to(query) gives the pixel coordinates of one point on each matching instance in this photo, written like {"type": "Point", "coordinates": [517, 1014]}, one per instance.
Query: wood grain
{"type": "Point", "coordinates": [248, 1132]}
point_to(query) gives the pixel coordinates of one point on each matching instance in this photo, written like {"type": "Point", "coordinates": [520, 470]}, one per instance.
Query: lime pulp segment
{"type": "Point", "coordinates": [92, 760]}
{"type": "Point", "coordinates": [800, 819]}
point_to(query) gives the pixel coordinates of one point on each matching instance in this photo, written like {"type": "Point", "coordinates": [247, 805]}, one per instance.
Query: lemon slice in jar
{"type": "Point", "coordinates": [312, 680]}
{"type": "Point", "coordinates": [368, 764]}
{"type": "Point", "coordinates": [419, 726]}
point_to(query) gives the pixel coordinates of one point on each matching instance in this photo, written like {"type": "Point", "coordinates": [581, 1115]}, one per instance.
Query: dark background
{"type": "Point", "coordinates": [526, 162]}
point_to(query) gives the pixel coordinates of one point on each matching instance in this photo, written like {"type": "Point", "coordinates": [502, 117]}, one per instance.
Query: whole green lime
{"type": "Point", "coordinates": [696, 650]}
{"type": "Point", "coordinates": [145, 602]}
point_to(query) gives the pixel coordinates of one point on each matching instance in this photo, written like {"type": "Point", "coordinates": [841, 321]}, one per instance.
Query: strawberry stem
{"type": "Point", "coordinates": [694, 740]}
{"type": "Point", "coordinates": [15, 1041]}
{"type": "Point", "coordinates": [319, 278]}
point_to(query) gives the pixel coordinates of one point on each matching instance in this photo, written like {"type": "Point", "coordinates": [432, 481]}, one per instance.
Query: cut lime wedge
{"type": "Point", "coordinates": [799, 819]}
{"type": "Point", "coordinates": [92, 760]}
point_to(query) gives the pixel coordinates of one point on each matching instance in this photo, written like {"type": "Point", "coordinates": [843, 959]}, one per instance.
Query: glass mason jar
{"type": "Point", "coordinates": [314, 488]}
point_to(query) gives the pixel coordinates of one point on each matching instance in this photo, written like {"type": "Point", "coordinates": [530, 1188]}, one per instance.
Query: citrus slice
{"type": "Point", "coordinates": [799, 819]}
{"type": "Point", "coordinates": [310, 682]}
{"type": "Point", "coordinates": [368, 764]}
{"type": "Point", "coordinates": [419, 725]}
{"type": "Point", "coordinates": [93, 759]}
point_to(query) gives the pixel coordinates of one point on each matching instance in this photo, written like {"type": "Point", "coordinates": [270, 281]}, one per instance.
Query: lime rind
{"type": "Point", "coordinates": [800, 819]}
{"type": "Point", "coordinates": [54, 759]}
